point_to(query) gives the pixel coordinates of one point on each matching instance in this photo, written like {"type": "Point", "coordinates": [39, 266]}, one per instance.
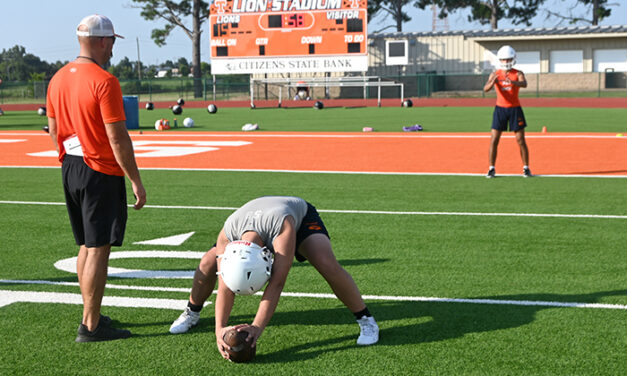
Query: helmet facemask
{"type": "Point", "coordinates": [507, 64]}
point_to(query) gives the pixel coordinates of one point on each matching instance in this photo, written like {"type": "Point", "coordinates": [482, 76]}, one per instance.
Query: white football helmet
{"type": "Point", "coordinates": [245, 267]}
{"type": "Point", "coordinates": [504, 53]}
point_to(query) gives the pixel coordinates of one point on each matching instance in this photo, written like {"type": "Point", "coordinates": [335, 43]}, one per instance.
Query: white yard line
{"type": "Point", "coordinates": [416, 135]}
{"type": "Point", "coordinates": [390, 173]}
{"type": "Point", "coordinates": [9, 297]}
{"type": "Point", "coordinates": [370, 212]}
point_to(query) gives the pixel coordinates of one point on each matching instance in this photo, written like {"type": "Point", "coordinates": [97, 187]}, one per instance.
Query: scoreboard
{"type": "Point", "coordinates": [288, 36]}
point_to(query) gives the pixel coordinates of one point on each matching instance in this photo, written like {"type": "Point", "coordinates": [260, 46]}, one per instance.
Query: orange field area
{"type": "Point", "coordinates": [595, 154]}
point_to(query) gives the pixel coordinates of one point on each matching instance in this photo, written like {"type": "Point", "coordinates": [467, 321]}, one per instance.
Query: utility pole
{"type": "Point", "coordinates": [437, 23]}
{"type": "Point", "coordinates": [139, 65]}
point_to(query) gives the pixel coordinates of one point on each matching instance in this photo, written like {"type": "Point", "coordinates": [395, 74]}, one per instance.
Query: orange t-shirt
{"type": "Point", "coordinates": [506, 92]}
{"type": "Point", "coordinates": [83, 98]}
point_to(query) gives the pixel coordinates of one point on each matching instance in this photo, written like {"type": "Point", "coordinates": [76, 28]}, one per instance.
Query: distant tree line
{"type": "Point", "coordinates": [18, 65]}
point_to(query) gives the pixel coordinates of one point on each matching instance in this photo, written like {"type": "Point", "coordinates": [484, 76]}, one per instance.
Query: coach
{"type": "Point", "coordinates": [87, 125]}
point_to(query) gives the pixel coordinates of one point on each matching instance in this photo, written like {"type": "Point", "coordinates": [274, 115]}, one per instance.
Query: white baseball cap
{"type": "Point", "coordinates": [96, 26]}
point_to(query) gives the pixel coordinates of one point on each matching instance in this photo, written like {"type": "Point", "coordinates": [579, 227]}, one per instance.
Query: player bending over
{"type": "Point", "coordinates": [288, 227]}
{"type": "Point", "coordinates": [507, 82]}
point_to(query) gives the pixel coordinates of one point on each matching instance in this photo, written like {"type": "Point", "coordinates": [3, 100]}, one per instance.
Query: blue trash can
{"type": "Point", "coordinates": [131, 111]}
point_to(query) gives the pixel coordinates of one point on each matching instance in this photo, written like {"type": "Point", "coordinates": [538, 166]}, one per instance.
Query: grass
{"type": "Point", "coordinates": [384, 119]}
{"type": "Point", "coordinates": [504, 258]}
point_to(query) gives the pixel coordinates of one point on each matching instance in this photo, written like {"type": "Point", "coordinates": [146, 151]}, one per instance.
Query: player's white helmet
{"type": "Point", "coordinates": [505, 53]}
{"type": "Point", "coordinates": [245, 267]}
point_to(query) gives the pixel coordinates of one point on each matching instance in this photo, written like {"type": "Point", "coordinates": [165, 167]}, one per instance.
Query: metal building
{"type": "Point", "coordinates": [544, 50]}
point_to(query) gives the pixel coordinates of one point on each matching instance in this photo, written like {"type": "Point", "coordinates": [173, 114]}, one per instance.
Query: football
{"type": "Point", "coordinates": [150, 106]}
{"type": "Point", "coordinates": [318, 105]}
{"type": "Point", "coordinates": [241, 351]}
{"type": "Point", "coordinates": [180, 101]}
{"type": "Point", "coordinates": [188, 122]}
{"type": "Point", "coordinates": [212, 108]}
{"type": "Point", "coordinates": [41, 111]}
{"type": "Point", "coordinates": [177, 110]}
{"type": "Point", "coordinates": [408, 103]}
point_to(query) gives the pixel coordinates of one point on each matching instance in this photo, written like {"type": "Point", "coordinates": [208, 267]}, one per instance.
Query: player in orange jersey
{"type": "Point", "coordinates": [507, 82]}
{"type": "Point", "coordinates": [88, 128]}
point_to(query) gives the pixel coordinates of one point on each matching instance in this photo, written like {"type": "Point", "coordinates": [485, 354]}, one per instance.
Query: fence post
{"type": "Point", "coordinates": [599, 92]}
{"type": "Point", "coordinates": [214, 87]}
{"type": "Point", "coordinates": [428, 86]}
{"type": "Point", "coordinates": [537, 85]}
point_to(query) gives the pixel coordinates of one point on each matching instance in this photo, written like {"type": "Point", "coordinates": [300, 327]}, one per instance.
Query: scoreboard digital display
{"type": "Point", "coordinates": [288, 36]}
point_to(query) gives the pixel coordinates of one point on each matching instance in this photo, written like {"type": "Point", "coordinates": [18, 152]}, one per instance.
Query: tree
{"type": "Point", "coordinates": [392, 8]}
{"type": "Point", "coordinates": [599, 9]}
{"type": "Point", "coordinates": [489, 11]}
{"type": "Point", "coordinates": [124, 70]}
{"type": "Point", "coordinates": [183, 67]}
{"type": "Point", "coordinates": [206, 68]}
{"type": "Point", "coordinates": [174, 13]}
{"type": "Point", "coordinates": [18, 65]}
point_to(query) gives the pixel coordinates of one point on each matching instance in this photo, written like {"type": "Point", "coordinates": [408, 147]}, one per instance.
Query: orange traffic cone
{"type": "Point", "coordinates": [544, 129]}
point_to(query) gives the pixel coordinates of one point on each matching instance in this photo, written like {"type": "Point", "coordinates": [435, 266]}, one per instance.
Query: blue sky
{"type": "Point", "coordinates": [46, 28]}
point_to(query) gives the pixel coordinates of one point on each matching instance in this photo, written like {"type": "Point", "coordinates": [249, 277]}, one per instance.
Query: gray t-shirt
{"type": "Point", "coordinates": [265, 216]}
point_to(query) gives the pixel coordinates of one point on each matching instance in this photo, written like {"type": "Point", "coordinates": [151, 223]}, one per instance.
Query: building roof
{"type": "Point", "coordinates": [545, 32]}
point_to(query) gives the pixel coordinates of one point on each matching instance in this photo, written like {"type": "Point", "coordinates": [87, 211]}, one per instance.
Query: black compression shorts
{"type": "Point", "coordinates": [311, 224]}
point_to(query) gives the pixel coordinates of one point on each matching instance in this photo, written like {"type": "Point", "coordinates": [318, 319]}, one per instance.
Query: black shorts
{"type": "Point", "coordinates": [512, 116]}
{"type": "Point", "coordinates": [96, 204]}
{"type": "Point", "coordinates": [311, 224]}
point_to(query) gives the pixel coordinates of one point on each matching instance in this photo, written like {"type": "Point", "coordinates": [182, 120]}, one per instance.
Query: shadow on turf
{"type": "Point", "coordinates": [440, 321]}
{"type": "Point", "coordinates": [349, 262]}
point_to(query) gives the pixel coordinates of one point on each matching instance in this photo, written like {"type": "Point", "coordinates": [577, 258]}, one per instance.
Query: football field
{"type": "Point", "coordinates": [465, 275]}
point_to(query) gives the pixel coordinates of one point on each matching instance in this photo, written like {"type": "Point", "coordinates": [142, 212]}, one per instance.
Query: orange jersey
{"type": "Point", "coordinates": [506, 92]}
{"type": "Point", "coordinates": [83, 98]}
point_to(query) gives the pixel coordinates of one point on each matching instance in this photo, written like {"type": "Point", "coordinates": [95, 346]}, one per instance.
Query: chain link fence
{"type": "Point", "coordinates": [603, 84]}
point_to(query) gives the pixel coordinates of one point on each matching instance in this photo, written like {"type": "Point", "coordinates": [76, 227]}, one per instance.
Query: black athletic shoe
{"type": "Point", "coordinates": [105, 321]}
{"type": "Point", "coordinates": [491, 173]}
{"type": "Point", "coordinates": [102, 333]}
{"type": "Point", "coordinates": [527, 172]}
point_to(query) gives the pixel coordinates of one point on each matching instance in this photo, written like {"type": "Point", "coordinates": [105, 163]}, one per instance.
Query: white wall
{"type": "Point", "coordinates": [610, 59]}
{"type": "Point", "coordinates": [566, 61]}
{"type": "Point", "coordinates": [528, 61]}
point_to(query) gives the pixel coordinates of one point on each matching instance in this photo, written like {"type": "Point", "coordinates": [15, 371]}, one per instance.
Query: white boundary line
{"type": "Point", "coordinates": [372, 212]}
{"type": "Point", "coordinates": [9, 297]}
{"type": "Point", "coordinates": [52, 297]}
{"type": "Point", "coordinates": [415, 135]}
{"type": "Point", "coordinates": [392, 173]}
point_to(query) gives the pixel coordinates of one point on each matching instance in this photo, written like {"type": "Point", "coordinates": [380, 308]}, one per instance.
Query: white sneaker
{"type": "Point", "coordinates": [369, 333]}
{"type": "Point", "coordinates": [186, 320]}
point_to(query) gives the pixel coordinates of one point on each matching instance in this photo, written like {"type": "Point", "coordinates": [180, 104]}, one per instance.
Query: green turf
{"type": "Point", "coordinates": [384, 119]}
{"type": "Point", "coordinates": [455, 256]}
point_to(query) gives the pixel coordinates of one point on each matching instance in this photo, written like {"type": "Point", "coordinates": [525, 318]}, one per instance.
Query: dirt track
{"type": "Point", "coordinates": [419, 102]}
